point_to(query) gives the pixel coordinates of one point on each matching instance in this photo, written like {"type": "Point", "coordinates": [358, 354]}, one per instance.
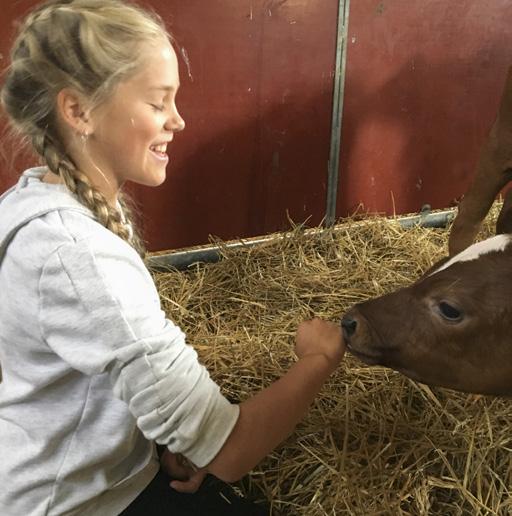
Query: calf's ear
{"type": "Point", "coordinates": [504, 222]}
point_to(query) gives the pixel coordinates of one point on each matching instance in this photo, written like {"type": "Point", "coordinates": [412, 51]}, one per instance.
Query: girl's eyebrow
{"type": "Point", "coordinates": [166, 88]}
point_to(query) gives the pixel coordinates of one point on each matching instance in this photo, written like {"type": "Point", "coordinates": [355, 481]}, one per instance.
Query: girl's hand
{"type": "Point", "coordinates": [317, 336]}
{"type": "Point", "coordinates": [186, 477]}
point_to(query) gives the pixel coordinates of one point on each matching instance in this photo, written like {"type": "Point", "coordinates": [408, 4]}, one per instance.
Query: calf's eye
{"type": "Point", "coordinates": [449, 312]}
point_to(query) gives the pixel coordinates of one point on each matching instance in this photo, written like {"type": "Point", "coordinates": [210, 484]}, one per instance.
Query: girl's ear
{"type": "Point", "coordinates": [74, 112]}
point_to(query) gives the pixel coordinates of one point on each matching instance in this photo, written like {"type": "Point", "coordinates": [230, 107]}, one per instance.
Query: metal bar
{"type": "Point", "coordinates": [181, 260]}
{"type": "Point", "coordinates": [337, 112]}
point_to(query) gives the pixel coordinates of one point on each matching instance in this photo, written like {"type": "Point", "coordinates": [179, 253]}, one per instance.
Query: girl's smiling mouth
{"type": "Point", "coordinates": [160, 151]}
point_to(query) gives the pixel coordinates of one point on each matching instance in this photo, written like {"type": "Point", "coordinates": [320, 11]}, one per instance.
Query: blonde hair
{"type": "Point", "coordinates": [87, 45]}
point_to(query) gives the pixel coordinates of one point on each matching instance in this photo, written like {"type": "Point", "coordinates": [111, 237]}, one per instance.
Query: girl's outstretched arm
{"type": "Point", "coordinates": [270, 416]}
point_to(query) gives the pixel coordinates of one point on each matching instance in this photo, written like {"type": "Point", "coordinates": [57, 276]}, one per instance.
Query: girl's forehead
{"type": "Point", "coordinates": [159, 49]}
{"type": "Point", "coordinates": [167, 53]}
{"type": "Point", "coordinates": [160, 68]}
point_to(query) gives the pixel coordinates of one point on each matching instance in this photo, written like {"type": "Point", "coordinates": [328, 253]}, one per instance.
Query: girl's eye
{"type": "Point", "coordinates": [157, 107]}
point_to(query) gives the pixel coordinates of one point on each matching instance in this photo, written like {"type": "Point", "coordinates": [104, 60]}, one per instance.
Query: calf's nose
{"type": "Point", "coordinates": [349, 326]}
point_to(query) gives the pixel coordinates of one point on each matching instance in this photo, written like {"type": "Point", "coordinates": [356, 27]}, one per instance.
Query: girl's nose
{"type": "Point", "coordinates": [174, 122]}
{"type": "Point", "coordinates": [179, 124]}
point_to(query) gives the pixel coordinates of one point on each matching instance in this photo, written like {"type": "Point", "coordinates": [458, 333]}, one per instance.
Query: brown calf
{"type": "Point", "coordinates": [452, 327]}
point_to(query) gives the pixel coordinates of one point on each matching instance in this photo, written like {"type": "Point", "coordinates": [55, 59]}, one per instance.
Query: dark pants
{"type": "Point", "coordinates": [214, 498]}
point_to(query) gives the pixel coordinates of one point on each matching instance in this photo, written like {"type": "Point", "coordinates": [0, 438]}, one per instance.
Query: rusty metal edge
{"type": "Point", "coordinates": [186, 258]}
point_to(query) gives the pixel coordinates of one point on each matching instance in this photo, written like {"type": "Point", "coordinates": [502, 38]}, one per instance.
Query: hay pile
{"type": "Point", "coordinates": [374, 442]}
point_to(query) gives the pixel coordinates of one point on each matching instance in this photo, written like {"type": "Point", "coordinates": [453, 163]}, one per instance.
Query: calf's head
{"type": "Point", "coordinates": [452, 327]}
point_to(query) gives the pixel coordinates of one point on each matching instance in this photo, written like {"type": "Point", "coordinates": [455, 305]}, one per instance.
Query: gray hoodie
{"type": "Point", "coordinates": [93, 371]}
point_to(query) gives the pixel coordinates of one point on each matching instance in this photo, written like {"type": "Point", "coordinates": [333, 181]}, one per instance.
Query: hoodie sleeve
{"type": "Point", "coordinates": [100, 312]}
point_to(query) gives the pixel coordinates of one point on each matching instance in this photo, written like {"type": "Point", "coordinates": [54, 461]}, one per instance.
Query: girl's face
{"type": "Point", "coordinates": [132, 130]}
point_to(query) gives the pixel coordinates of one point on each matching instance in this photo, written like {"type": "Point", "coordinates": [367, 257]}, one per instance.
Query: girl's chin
{"type": "Point", "coordinates": [151, 178]}
{"type": "Point", "coordinates": [151, 184]}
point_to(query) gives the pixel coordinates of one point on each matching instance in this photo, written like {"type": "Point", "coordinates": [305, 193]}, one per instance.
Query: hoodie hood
{"type": "Point", "coordinates": [29, 199]}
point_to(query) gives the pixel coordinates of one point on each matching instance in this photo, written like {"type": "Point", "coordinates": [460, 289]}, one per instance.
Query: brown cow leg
{"type": "Point", "coordinates": [504, 222]}
{"type": "Point", "coordinates": [494, 171]}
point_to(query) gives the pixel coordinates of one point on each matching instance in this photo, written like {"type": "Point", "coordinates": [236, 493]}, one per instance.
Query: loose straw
{"type": "Point", "coordinates": [374, 442]}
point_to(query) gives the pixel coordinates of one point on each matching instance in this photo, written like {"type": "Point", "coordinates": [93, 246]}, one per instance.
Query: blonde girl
{"type": "Point", "coordinates": [94, 374]}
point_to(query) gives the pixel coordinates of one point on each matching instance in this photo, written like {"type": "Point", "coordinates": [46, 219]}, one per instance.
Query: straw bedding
{"type": "Point", "coordinates": [373, 442]}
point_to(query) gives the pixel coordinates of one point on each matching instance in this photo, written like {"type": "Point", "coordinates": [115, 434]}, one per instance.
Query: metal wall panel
{"type": "Point", "coordinates": [257, 102]}
{"type": "Point", "coordinates": [423, 82]}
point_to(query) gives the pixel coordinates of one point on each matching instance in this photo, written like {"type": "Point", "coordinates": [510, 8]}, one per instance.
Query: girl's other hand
{"type": "Point", "coordinates": [186, 478]}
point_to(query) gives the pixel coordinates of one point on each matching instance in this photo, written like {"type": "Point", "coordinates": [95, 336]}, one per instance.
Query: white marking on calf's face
{"type": "Point", "coordinates": [473, 252]}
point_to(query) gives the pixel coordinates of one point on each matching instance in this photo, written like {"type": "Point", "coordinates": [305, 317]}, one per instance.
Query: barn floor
{"type": "Point", "coordinates": [374, 442]}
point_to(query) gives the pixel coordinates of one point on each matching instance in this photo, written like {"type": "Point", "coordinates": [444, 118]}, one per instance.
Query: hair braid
{"type": "Point", "coordinates": [116, 220]}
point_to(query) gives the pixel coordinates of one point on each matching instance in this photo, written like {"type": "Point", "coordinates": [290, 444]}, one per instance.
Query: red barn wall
{"type": "Point", "coordinates": [257, 104]}
{"type": "Point", "coordinates": [422, 84]}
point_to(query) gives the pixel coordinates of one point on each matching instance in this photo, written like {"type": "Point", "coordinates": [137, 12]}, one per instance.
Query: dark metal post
{"type": "Point", "coordinates": [337, 112]}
